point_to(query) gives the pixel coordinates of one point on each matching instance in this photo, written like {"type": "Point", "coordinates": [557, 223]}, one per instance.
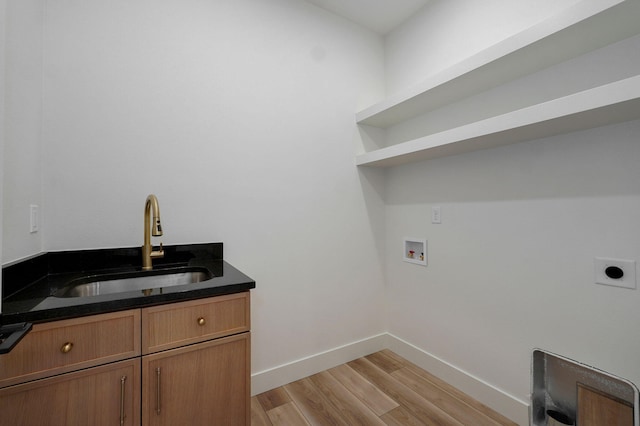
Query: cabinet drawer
{"type": "Point", "coordinates": [170, 326]}
{"type": "Point", "coordinates": [62, 346]}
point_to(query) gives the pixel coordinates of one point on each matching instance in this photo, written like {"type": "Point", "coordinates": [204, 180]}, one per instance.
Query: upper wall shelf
{"type": "Point", "coordinates": [611, 103]}
{"type": "Point", "coordinates": [582, 28]}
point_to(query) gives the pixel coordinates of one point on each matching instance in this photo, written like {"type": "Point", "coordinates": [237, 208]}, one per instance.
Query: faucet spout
{"type": "Point", "coordinates": [151, 210]}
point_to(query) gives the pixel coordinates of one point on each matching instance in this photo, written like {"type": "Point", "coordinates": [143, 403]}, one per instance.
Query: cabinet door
{"type": "Point", "coordinates": [202, 384]}
{"type": "Point", "coordinates": [106, 395]}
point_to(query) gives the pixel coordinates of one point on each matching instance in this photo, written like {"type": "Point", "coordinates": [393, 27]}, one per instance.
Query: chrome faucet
{"type": "Point", "coordinates": [151, 209]}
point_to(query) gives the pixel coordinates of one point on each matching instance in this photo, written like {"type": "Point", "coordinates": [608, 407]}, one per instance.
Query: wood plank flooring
{"type": "Point", "coordinates": [379, 389]}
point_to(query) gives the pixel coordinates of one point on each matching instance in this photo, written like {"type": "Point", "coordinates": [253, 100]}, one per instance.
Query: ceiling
{"type": "Point", "coordinates": [381, 16]}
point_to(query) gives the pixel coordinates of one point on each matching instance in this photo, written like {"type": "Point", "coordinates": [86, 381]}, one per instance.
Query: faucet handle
{"type": "Point", "coordinates": [156, 254]}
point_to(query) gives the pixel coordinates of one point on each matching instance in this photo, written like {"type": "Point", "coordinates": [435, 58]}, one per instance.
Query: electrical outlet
{"type": "Point", "coordinates": [615, 272]}
{"type": "Point", "coordinates": [33, 218]}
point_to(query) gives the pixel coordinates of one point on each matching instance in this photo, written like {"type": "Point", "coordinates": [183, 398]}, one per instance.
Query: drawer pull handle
{"type": "Point", "coordinates": [122, 416]}
{"type": "Point", "coordinates": [158, 397]}
{"type": "Point", "coordinates": [66, 348]}
{"type": "Point", "coordinates": [201, 321]}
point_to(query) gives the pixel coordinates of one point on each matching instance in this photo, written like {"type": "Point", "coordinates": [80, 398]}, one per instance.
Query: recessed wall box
{"type": "Point", "coordinates": [415, 251]}
{"type": "Point", "coordinates": [615, 272]}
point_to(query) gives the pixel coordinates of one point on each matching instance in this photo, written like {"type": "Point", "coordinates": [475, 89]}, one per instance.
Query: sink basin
{"type": "Point", "coordinates": [96, 285]}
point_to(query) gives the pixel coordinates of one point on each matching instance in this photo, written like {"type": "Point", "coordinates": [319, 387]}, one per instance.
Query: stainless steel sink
{"type": "Point", "coordinates": [96, 285]}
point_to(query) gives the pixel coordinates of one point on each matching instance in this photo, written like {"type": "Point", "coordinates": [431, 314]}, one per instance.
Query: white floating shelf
{"type": "Point", "coordinates": [608, 104]}
{"type": "Point", "coordinates": [587, 26]}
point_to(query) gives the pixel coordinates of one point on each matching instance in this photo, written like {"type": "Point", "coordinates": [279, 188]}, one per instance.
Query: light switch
{"type": "Point", "coordinates": [33, 218]}
{"type": "Point", "coordinates": [436, 214]}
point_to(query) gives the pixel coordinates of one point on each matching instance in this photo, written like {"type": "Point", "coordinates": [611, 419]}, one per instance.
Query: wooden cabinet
{"type": "Point", "coordinates": [180, 363]}
{"type": "Point", "coordinates": [195, 375]}
{"type": "Point", "coordinates": [105, 395]}
{"type": "Point", "coordinates": [203, 384]}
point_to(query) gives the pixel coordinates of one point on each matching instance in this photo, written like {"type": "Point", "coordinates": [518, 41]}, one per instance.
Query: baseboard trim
{"type": "Point", "coordinates": [290, 372]}
{"type": "Point", "coordinates": [492, 397]}
{"type": "Point", "coordinates": [507, 405]}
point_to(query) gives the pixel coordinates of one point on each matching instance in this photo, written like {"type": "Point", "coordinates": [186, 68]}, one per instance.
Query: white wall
{"type": "Point", "coordinates": [22, 164]}
{"type": "Point", "coordinates": [239, 117]}
{"type": "Point", "coordinates": [444, 32]}
{"type": "Point", "coordinates": [511, 267]}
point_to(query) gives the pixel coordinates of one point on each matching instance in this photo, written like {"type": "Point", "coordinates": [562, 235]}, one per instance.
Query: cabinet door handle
{"type": "Point", "coordinates": [158, 399]}
{"type": "Point", "coordinates": [66, 348]}
{"type": "Point", "coordinates": [201, 321]}
{"type": "Point", "coordinates": [123, 379]}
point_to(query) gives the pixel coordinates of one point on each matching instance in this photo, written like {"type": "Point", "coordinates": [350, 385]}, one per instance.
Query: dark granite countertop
{"type": "Point", "coordinates": [30, 287]}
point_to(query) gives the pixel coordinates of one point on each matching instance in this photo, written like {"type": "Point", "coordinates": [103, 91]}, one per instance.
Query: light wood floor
{"type": "Point", "coordinates": [379, 389]}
